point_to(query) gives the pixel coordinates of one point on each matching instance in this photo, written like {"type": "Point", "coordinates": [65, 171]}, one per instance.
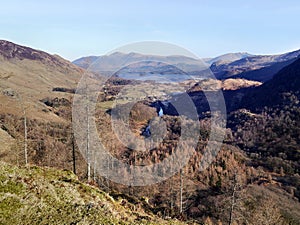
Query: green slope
{"type": "Point", "coordinates": [35, 195]}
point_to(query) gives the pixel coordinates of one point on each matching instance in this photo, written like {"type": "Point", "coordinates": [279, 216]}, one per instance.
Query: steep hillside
{"type": "Point", "coordinates": [35, 195]}
{"type": "Point", "coordinates": [276, 92]}
{"type": "Point", "coordinates": [29, 75]}
{"type": "Point", "coordinates": [269, 128]}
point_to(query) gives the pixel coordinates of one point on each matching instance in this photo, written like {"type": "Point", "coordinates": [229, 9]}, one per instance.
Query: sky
{"type": "Point", "coordinates": [207, 28]}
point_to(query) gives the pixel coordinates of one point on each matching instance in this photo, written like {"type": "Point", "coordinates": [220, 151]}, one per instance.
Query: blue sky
{"type": "Point", "coordinates": [206, 27]}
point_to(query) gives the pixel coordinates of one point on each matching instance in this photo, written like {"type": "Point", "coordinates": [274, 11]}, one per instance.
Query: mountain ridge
{"type": "Point", "coordinates": [252, 67]}
{"type": "Point", "coordinates": [118, 60]}
{"type": "Point", "coordinates": [231, 65]}
{"type": "Point", "coordinates": [13, 51]}
{"type": "Point", "coordinates": [28, 75]}
{"type": "Point", "coordinates": [228, 57]}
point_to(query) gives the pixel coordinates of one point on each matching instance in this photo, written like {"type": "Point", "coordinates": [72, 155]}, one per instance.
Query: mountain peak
{"type": "Point", "coordinates": [11, 50]}
{"type": "Point", "coordinates": [229, 57]}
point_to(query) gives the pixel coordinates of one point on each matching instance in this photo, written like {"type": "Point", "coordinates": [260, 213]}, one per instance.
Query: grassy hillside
{"type": "Point", "coordinates": [28, 75]}
{"type": "Point", "coordinates": [35, 195]}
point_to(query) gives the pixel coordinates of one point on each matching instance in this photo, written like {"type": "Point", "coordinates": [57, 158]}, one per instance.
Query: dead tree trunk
{"type": "Point", "coordinates": [181, 191]}
{"type": "Point", "coordinates": [233, 199]}
{"type": "Point", "coordinates": [73, 154]}
{"type": "Point", "coordinates": [88, 144]}
{"type": "Point", "coordinates": [25, 137]}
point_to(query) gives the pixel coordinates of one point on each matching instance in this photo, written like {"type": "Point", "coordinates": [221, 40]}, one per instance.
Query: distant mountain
{"type": "Point", "coordinates": [85, 62]}
{"type": "Point", "coordinates": [232, 65]}
{"type": "Point", "coordinates": [259, 68]}
{"type": "Point", "coordinates": [116, 61]}
{"type": "Point", "coordinates": [284, 87]}
{"type": "Point", "coordinates": [31, 75]}
{"type": "Point", "coordinates": [227, 58]}
{"type": "Point", "coordinates": [187, 64]}
{"type": "Point", "coordinates": [152, 70]}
